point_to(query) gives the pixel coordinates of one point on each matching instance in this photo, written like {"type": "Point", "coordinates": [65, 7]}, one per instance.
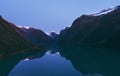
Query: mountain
{"type": "Point", "coordinates": [53, 34]}
{"type": "Point", "coordinates": [94, 31]}
{"type": "Point", "coordinates": [11, 42]}
{"type": "Point", "coordinates": [33, 35]}
{"type": "Point", "coordinates": [36, 36]}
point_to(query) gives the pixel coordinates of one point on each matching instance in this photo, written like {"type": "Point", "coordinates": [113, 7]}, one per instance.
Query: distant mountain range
{"type": "Point", "coordinates": [35, 36]}
{"type": "Point", "coordinates": [95, 30]}
{"type": "Point", "coordinates": [101, 31]}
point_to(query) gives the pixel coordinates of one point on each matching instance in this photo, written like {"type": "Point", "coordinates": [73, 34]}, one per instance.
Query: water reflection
{"type": "Point", "coordinates": [93, 61]}
{"type": "Point", "coordinates": [8, 63]}
{"type": "Point", "coordinates": [48, 65]}
{"type": "Point", "coordinates": [88, 61]}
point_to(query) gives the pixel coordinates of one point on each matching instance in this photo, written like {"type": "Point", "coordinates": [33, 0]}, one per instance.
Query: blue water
{"type": "Point", "coordinates": [67, 61]}
{"type": "Point", "coordinates": [48, 65]}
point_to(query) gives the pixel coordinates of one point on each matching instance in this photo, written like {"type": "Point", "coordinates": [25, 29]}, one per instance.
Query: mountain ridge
{"type": "Point", "coordinates": [11, 42]}
{"type": "Point", "coordinates": [88, 30]}
{"type": "Point", "coordinates": [94, 31]}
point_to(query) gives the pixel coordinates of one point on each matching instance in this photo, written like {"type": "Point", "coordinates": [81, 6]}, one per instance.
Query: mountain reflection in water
{"type": "Point", "coordinates": [48, 65]}
{"type": "Point", "coordinates": [86, 61]}
{"type": "Point", "coordinates": [105, 62]}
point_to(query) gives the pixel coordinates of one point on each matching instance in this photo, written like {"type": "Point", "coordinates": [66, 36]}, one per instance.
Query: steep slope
{"type": "Point", "coordinates": [94, 31]}
{"type": "Point", "coordinates": [10, 41]}
{"type": "Point", "coordinates": [33, 35]}
{"type": "Point", "coordinates": [36, 36]}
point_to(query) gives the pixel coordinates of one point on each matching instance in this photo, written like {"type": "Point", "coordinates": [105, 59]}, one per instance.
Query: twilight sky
{"type": "Point", "coordinates": [50, 15]}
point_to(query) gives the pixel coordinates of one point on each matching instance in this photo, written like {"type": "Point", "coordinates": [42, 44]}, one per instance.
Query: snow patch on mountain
{"type": "Point", "coordinates": [25, 27]}
{"type": "Point", "coordinates": [104, 11]}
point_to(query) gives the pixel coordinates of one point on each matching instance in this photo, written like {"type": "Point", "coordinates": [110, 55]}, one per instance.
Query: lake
{"type": "Point", "coordinates": [48, 65]}
{"type": "Point", "coordinates": [67, 61]}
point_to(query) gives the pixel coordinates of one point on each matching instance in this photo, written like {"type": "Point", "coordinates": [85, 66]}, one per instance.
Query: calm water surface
{"type": "Point", "coordinates": [48, 65]}
{"type": "Point", "coordinates": [67, 61]}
